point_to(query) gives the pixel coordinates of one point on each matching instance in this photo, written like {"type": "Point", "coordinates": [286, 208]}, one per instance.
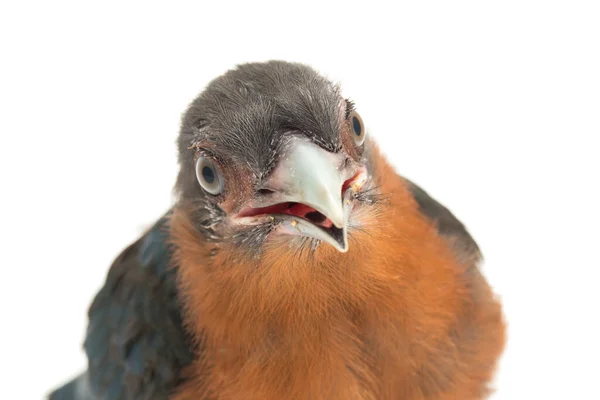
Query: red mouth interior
{"type": "Point", "coordinates": [298, 209]}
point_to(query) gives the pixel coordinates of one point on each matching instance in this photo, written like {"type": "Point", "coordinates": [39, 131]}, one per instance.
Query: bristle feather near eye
{"type": "Point", "coordinates": [350, 106]}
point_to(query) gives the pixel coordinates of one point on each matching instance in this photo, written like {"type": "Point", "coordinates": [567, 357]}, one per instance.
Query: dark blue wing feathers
{"type": "Point", "coordinates": [135, 342]}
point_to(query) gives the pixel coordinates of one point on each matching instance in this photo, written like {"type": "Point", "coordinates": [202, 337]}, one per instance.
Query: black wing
{"type": "Point", "coordinates": [447, 224]}
{"type": "Point", "coordinates": [135, 343]}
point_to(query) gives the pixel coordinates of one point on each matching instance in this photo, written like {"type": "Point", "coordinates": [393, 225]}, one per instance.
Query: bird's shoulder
{"type": "Point", "coordinates": [135, 342]}
{"type": "Point", "coordinates": [446, 223]}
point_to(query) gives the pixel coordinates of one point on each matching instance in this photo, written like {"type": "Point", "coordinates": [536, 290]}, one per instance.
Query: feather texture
{"type": "Point", "coordinates": [135, 343]}
{"type": "Point", "coordinates": [400, 316]}
{"type": "Point", "coordinates": [202, 308]}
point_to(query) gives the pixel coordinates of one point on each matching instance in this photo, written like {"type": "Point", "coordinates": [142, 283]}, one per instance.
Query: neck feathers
{"type": "Point", "coordinates": [319, 324]}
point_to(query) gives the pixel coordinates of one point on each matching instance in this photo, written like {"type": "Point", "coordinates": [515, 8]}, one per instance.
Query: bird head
{"type": "Point", "coordinates": [272, 154]}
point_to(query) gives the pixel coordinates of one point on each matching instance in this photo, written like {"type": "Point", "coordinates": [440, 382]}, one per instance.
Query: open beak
{"type": "Point", "coordinates": [310, 193]}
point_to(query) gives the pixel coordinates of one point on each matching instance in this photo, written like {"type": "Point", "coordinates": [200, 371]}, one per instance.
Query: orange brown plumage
{"type": "Point", "coordinates": [398, 316]}
{"type": "Point", "coordinates": [295, 264]}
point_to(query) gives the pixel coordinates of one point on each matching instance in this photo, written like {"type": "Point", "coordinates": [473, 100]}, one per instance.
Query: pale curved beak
{"type": "Point", "coordinates": [312, 179]}
{"type": "Point", "coordinates": [309, 175]}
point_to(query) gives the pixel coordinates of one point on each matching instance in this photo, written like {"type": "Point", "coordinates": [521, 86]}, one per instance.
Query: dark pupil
{"type": "Point", "coordinates": [208, 174]}
{"type": "Point", "coordinates": [356, 126]}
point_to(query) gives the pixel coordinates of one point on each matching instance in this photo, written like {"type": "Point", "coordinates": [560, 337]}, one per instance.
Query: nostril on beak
{"type": "Point", "coordinates": [265, 192]}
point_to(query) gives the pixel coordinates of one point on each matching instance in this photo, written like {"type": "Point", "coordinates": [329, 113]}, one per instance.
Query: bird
{"type": "Point", "coordinates": [294, 263]}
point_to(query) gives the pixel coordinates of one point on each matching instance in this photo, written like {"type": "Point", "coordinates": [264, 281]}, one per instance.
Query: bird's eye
{"type": "Point", "coordinates": [357, 128]}
{"type": "Point", "coordinates": [209, 176]}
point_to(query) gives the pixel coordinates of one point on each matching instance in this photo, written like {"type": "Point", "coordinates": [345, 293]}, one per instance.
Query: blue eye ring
{"type": "Point", "coordinates": [209, 176]}
{"type": "Point", "coordinates": [357, 128]}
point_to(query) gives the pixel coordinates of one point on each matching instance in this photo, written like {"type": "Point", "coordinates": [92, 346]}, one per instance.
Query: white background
{"type": "Point", "coordinates": [493, 107]}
